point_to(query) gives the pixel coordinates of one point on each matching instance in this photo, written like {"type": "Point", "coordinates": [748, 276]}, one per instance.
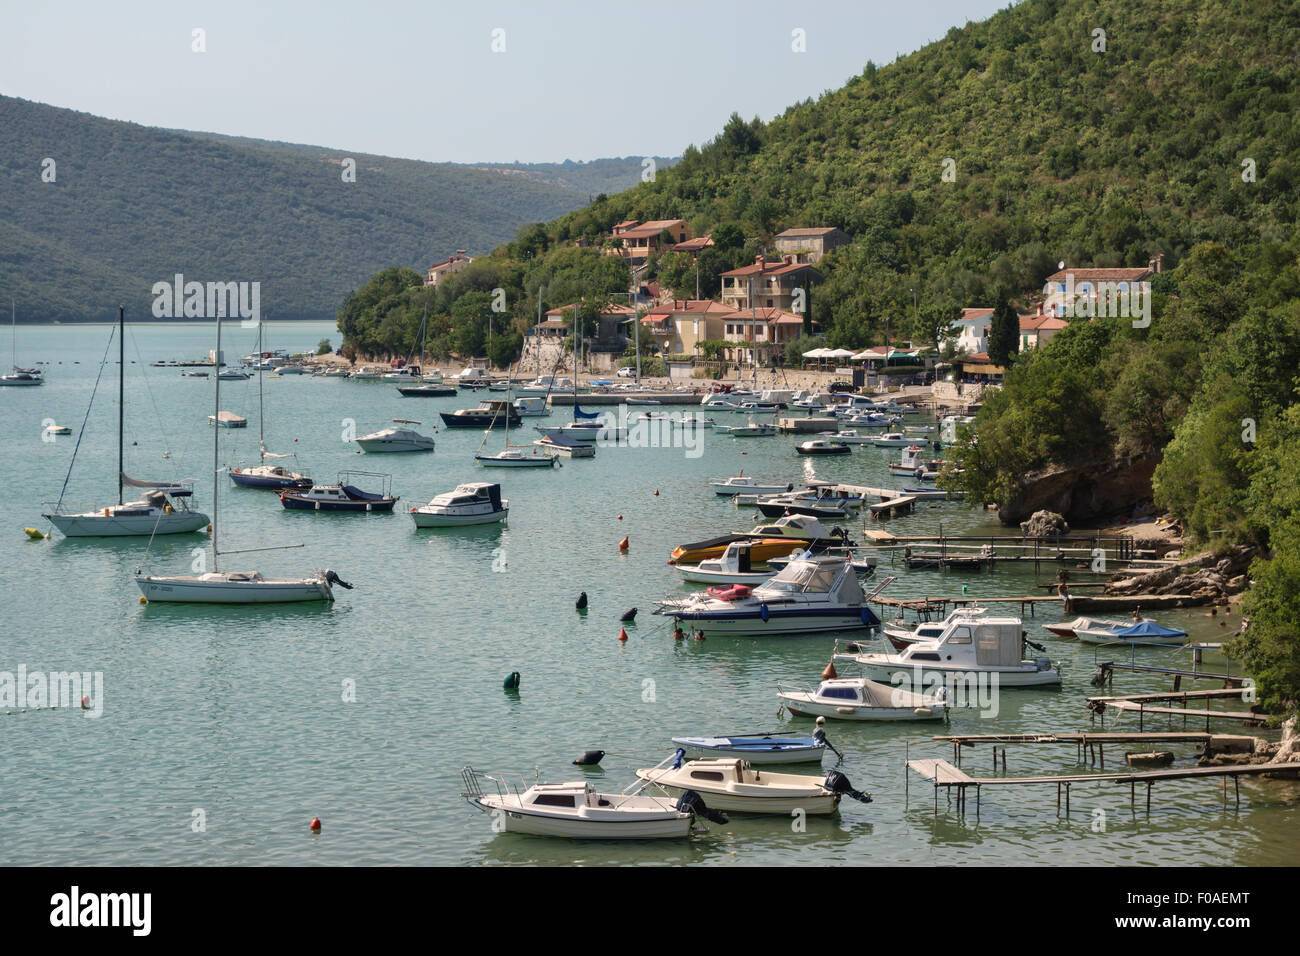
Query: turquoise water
{"type": "Point", "coordinates": [236, 718]}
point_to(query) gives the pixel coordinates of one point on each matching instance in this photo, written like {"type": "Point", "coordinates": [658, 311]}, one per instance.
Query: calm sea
{"type": "Point", "coordinates": [224, 731]}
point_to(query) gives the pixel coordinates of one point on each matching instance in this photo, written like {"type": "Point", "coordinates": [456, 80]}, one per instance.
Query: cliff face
{"type": "Point", "coordinates": [1085, 494]}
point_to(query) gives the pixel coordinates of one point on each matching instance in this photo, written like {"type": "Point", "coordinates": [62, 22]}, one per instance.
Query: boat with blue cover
{"type": "Point", "coordinates": [758, 748]}
{"type": "Point", "coordinates": [343, 496]}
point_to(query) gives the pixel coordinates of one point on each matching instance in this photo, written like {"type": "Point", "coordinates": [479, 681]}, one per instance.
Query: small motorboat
{"type": "Point", "coordinates": [775, 538]}
{"type": "Point", "coordinates": [752, 430]}
{"type": "Point", "coordinates": [864, 567]}
{"type": "Point", "coordinates": [234, 375]}
{"type": "Point", "coordinates": [820, 446]}
{"type": "Point", "coordinates": [849, 437]}
{"type": "Point", "coordinates": [430, 390]}
{"type": "Point", "coordinates": [757, 749]}
{"type": "Point", "coordinates": [58, 430]}
{"type": "Point", "coordinates": [491, 413]}
{"type": "Point", "coordinates": [900, 633]}
{"type": "Point", "coordinates": [856, 698]}
{"type": "Point", "coordinates": [779, 505]}
{"type": "Point", "coordinates": [733, 785]}
{"type": "Point", "coordinates": [891, 440]}
{"type": "Point", "coordinates": [734, 567]}
{"type": "Point", "coordinates": [228, 420]}
{"type": "Point", "coordinates": [1140, 632]}
{"type": "Point", "coordinates": [563, 445]}
{"type": "Point", "coordinates": [693, 421]}
{"type": "Point", "coordinates": [475, 502]}
{"type": "Point", "coordinates": [911, 462]}
{"type": "Point", "coordinates": [343, 496]}
{"type": "Point", "coordinates": [395, 439]}
{"type": "Point", "coordinates": [532, 407]}
{"type": "Point", "coordinates": [643, 401]}
{"type": "Point", "coordinates": [576, 810]}
{"type": "Point", "coordinates": [517, 458]}
{"type": "Point", "coordinates": [1068, 629]}
{"type": "Point", "coordinates": [744, 484]}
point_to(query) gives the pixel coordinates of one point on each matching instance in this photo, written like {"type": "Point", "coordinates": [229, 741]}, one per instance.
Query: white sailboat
{"type": "Point", "coordinates": [234, 587]}
{"type": "Point", "coordinates": [262, 475]}
{"type": "Point", "coordinates": [19, 376]}
{"type": "Point", "coordinates": [515, 456]}
{"type": "Point", "coordinates": [163, 507]}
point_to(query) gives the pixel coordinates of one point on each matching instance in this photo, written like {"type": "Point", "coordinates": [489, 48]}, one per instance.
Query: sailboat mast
{"type": "Point", "coordinates": [261, 372]}
{"type": "Point", "coordinates": [121, 393]}
{"type": "Point", "coordinates": [216, 439]}
{"type": "Point", "coordinates": [577, 328]}
{"type": "Point", "coordinates": [537, 335]}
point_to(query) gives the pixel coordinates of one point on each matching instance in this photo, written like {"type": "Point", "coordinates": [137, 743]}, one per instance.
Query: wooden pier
{"type": "Point", "coordinates": [1141, 704]}
{"type": "Point", "coordinates": [1094, 744]}
{"type": "Point", "coordinates": [1109, 602]}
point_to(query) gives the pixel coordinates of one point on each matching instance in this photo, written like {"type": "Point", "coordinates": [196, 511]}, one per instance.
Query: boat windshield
{"type": "Point", "coordinates": [804, 577]}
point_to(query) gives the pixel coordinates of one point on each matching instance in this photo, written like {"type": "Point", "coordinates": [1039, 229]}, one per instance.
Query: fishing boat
{"type": "Point", "coordinates": [227, 419]}
{"type": "Point", "coordinates": [774, 538]}
{"type": "Point", "coordinates": [471, 503]}
{"type": "Point", "coordinates": [810, 595]}
{"type": "Point", "coordinates": [576, 810]}
{"type": "Point", "coordinates": [757, 749]}
{"type": "Point", "coordinates": [733, 785]}
{"type": "Point", "coordinates": [820, 446]}
{"type": "Point", "coordinates": [912, 462]}
{"type": "Point", "coordinates": [891, 440]}
{"type": "Point", "coordinates": [343, 496]}
{"type": "Point", "coordinates": [163, 507]}
{"type": "Point", "coordinates": [1142, 632]}
{"type": "Point", "coordinates": [986, 647]}
{"type": "Point", "coordinates": [396, 439]}
{"type": "Point", "coordinates": [745, 484]}
{"type": "Point", "coordinates": [491, 413]}
{"type": "Point", "coordinates": [272, 477]}
{"type": "Point", "coordinates": [233, 587]}
{"type": "Point", "coordinates": [734, 567]}
{"type": "Point", "coordinates": [856, 698]}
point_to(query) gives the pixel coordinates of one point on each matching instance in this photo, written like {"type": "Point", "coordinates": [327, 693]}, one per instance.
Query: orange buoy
{"type": "Point", "coordinates": [622, 545]}
{"type": "Point", "coordinates": [622, 634]}
{"type": "Point", "coordinates": [656, 492]}
{"type": "Point", "coordinates": [829, 673]}
{"type": "Point", "coordinates": [620, 517]}
{"type": "Point", "coordinates": [315, 824]}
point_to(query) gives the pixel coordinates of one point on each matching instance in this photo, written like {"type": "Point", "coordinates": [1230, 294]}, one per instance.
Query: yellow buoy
{"type": "Point", "coordinates": [34, 534]}
{"type": "Point", "coordinates": [143, 599]}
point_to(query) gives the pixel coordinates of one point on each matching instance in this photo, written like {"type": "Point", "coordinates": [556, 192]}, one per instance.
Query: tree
{"type": "Point", "coordinates": [324, 347]}
{"type": "Point", "coordinates": [1004, 334]}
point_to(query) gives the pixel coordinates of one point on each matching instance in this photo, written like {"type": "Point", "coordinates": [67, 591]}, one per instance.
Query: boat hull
{"type": "Point", "coordinates": [377, 445]}
{"type": "Point", "coordinates": [533, 461]}
{"type": "Point", "coordinates": [802, 705]}
{"type": "Point", "coordinates": [811, 804]}
{"type": "Point", "coordinates": [669, 825]}
{"type": "Point", "coordinates": [299, 503]}
{"type": "Point", "coordinates": [271, 482]}
{"type": "Point", "coordinates": [693, 573]}
{"type": "Point", "coordinates": [195, 590]}
{"type": "Point", "coordinates": [884, 672]}
{"type": "Point", "coordinates": [425, 519]}
{"type": "Point", "coordinates": [754, 755]}
{"type": "Point", "coordinates": [749, 621]}
{"type": "Point", "coordinates": [100, 526]}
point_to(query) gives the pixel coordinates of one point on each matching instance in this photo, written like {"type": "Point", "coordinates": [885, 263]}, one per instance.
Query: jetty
{"type": "Point", "coordinates": [1160, 703]}
{"type": "Point", "coordinates": [806, 426]}
{"type": "Point", "coordinates": [939, 606]}
{"type": "Point", "coordinates": [1094, 744]}
{"type": "Point", "coordinates": [565, 399]}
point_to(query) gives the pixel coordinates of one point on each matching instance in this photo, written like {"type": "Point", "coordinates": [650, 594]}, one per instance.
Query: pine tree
{"type": "Point", "coordinates": [1004, 334]}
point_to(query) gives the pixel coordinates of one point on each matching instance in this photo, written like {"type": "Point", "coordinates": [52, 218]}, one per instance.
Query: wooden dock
{"type": "Point", "coordinates": [943, 774]}
{"type": "Point", "coordinates": [1108, 602]}
{"type": "Point", "coordinates": [807, 426]}
{"type": "Point", "coordinates": [1094, 744]}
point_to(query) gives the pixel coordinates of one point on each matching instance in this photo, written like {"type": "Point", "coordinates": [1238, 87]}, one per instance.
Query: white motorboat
{"type": "Point", "coordinates": [912, 462]}
{"type": "Point", "coordinates": [811, 595]}
{"type": "Point", "coordinates": [900, 633]}
{"type": "Point", "coordinates": [227, 419]}
{"type": "Point", "coordinates": [532, 407]}
{"type": "Point", "coordinates": [745, 484]}
{"type": "Point", "coordinates": [734, 567]}
{"type": "Point", "coordinates": [849, 437]}
{"type": "Point", "coordinates": [1067, 629]}
{"type": "Point", "coordinates": [818, 446]}
{"type": "Point", "coordinates": [891, 440]}
{"type": "Point", "coordinates": [1134, 632]}
{"type": "Point", "coordinates": [576, 810]}
{"type": "Point", "coordinates": [162, 509]}
{"type": "Point", "coordinates": [233, 587]}
{"type": "Point", "coordinates": [395, 439]}
{"type": "Point", "coordinates": [968, 649]}
{"type": "Point", "coordinates": [234, 375]}
{"type": "Point", "coordinates": [751, 430]}
{"type": "Point", "coordinates": [856, 698]}
{"type": "Point", "coordinates": [475, 502]}
{"type": "Point", "coordinates": [58, 430]}
{"type": "Point", "coordinates": [730, 784]}
{"type": "Point", "coordinates": [367, 374]}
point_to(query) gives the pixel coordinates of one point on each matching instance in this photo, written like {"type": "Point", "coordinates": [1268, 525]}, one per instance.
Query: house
{"type": "Point", "coordinates": [1037, 330]}
{"type": "Point", "coordinates": [440, 270]}
{"type": "Point", "coordinates": [693, 247]}
{"type": "Point", "coordinates": [679, 326]}
{"type": "Point", "coordinates": [638, 241]}
{"type": "Point", "coordinates": [973, 330]}
{"type": "Point", "coordinates": [809, 245]}
{"type": "Point", "coordinates": [781, 284]}
{"type": "Point", "coordinates": [760, 333]}
{"type": "Point", "coordinates": [1082, 292]}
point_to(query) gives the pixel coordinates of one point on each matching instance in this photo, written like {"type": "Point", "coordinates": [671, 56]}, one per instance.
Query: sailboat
{"type": "Point", "coordinates": [425, 385]}
{"type": "Point", "coordinates": [513, 456]}
{"type": "Point", "coordinates": [19, 376]}
{"type": "Point", "coordinates": [164, 507]}
{"type": "Point", "coordinates": [586, 427]}
{"type": "Point", "coordinates": [275, 477]}
{"type": "Point", "coordinates": [234, 587]}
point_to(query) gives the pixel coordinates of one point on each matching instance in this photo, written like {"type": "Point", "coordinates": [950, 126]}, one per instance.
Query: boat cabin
{"type": "Point", "coordinates": [982, 642]}
{"type": "Point", "coordinates": [833, 577]}
{"type": "Point", "coordinates": [793, 526]}
{"type": "Point", "coordinates": [472, 493]}
{"type": "Point", "coordinates": [564, 796]}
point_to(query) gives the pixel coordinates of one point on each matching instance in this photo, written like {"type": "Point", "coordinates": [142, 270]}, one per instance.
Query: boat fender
{"type": "Point", "coordinates": [105, 512]}
{"type": "Point", "coordinates": [622, 545]}
{"type": "Point", "coordinates": [843, 710]}
{"type": "Point", "coordinates": [581, 604]}
{"type": "Point", "coordinates": [829, 673]}
{"type": "Point", "coordinates": [763, 613]}
{"type": "Point", "coordinates": [628, 616]}
{"type": "Point", "coordinates": [837, 782]}
{"type": "Point", "coordinates": [865, 614]}
{"type": "Point", "coordinates": [511, 682]}
{"type": "Point", "coordinates": [589, 758]}
{"type": "Point", "coordinates": [923, 711]}
{"type": "Point", "coordinates": [691, 802]}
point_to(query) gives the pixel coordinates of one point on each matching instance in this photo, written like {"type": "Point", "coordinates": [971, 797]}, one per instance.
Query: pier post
{"type": "Point", "coordinates": [1149, 797]}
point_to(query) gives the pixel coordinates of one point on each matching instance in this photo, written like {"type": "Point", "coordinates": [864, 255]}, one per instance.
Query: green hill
{"type": "Point", "coordinates": [131, 205]}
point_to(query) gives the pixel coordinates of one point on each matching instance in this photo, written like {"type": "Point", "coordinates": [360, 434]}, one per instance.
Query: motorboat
{"type": "Point", "coordinates": [343, 496]}
{"type": "Point", "coordinates": [792, 530]}
{"type": "Point", "coordinates": [911, 461]}
{"type": "Point", "coordinates": [849, 436]}
{"type": "Point", "coordinates": [531, 407]}
{"type": "Point", "coordinates": [810, 595]}
{"type": "Point", "coordinates": [426, 390]}
{"type": "Point", "coordinates": [900, 633]}
{"type": "Point", "coordinates": [491, 413]}
{"type": "Point", "coordinates": [1140, 632]}
{"type": "Point", "coordinates": [294, 369]}
{"type": "Point", "coordinates": [228, 420]}
{"type": "Point", "coordinates": [472, 376]}
{"type": "Point", "coordinates": [734, 567]}
{"type": "Point", "coordinates": [746, 484]}
{"type": "Point", "coordinates": [576, 810]}
{"type": "Point", "coordinates": [751, 430]}
{"type": "Point", "coordinates": [395, 439]}
{"type": "Point", "coordinates": [863, 566]}
{"type": "Point", "coordinates": [757, 749]}
{"type": "Point", "coordinates": [735, 786]}
{"type": "Point", "coordinates": [1067, 629]}
{"type": "Point", "coordinates": [58, 430]}
{"type": "Point", "coordinates": [820, 446]}
{"type": "Point", "coordinates": [891, 440]}
{"type": "Point", "coordinates": [367, 374]}
{"type": "Point", "coordinates": [778, 505]}
{"type": "Point", "coordinates": [986, 647]}
{"type": "Point", "coordinates": [517, 458]}
{"type": "Point", "coordinates": [870, 420]}
{"type": "Point", "coordinates": [471, 503]}
{"type": "Point", "coordinates": [693, 421]}
{"type": "Point", "coordinates": [234, 375]}
{"type": "Point", "coordinates": [563, 445]}
{"type": "Point", "coordinates": [759, 408]}
{"type": "Point", "coordinates": [856, 698]}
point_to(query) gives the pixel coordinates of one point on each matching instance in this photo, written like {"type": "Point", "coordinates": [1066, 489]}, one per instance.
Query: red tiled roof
{"type": "Point", "coordinates": [1101, 275]}
{"type": "Point", "coordinates": [775, 268]}
{"type": "Point", "coordinates": [806, 232]}
{"type": "Point", "coordinates": [693, 245]}
{"type": "Point", "coordinates": [1039, 321]}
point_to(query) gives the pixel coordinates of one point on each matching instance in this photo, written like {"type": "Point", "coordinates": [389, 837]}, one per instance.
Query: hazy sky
{"type": "Point", "coordinates": [576, 80]}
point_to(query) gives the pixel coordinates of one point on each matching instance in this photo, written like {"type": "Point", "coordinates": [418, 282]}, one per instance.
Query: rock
{"type": "Point", "coordinates": [1086, 493]}
{"type": "Point", "coordinates": [1044, 524]}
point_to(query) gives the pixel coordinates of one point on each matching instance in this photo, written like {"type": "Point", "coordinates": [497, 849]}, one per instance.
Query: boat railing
{"type": "Point", "coordinates": [479, 783]}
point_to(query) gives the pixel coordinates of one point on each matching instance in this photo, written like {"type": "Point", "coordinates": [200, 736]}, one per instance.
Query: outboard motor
{"type": "Point", "coordinates": [692, 802]}
{"type": "Point", "coordinates": [332, 578]}
{"type": "Point", "coordinates": [819, 735]}
{"type": "Point", "coordinates": [678, 758]}
{"type": "Point", "coordinates": [836, 782]}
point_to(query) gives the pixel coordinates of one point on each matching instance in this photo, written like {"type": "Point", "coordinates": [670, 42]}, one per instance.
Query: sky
{"type": "Point", "coordinates": [480, 81]}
